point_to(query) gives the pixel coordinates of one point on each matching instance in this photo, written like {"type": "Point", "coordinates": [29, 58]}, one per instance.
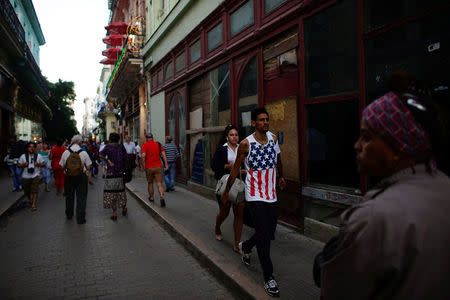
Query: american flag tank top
{"type": "Point", "coordinates": [261, 161]}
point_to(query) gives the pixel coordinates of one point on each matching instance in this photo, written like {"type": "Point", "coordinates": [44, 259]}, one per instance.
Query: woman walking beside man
{"type": "Point", "coordinates": [222, 163]}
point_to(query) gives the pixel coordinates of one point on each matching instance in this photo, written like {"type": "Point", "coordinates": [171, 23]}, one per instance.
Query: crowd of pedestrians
{"type": "Point", "coordinates": [387, 244]}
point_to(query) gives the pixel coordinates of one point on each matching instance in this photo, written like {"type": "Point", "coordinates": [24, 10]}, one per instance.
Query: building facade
{"type": "Point", "coordinates": [89, 117]}
{"type": "Point", "coordinates": [23, 89]}
{"type": "Point", "coordinates": [126, 87]}
{"type": "Point", "coordinates": [314, 65]}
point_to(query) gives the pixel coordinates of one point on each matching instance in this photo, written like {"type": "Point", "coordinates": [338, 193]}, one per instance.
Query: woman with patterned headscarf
{"type": "Point", "coordinates": [396, 244]}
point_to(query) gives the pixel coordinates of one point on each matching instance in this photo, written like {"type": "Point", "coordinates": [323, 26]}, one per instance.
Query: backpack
{"type": "Point", "coordinates": [160, 155]}
{"type": "Point", "coordinates": [74, 166]}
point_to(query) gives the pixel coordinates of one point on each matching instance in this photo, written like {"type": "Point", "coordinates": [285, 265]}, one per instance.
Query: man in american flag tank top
{"type": "Point", "coordinates": [261, 154]}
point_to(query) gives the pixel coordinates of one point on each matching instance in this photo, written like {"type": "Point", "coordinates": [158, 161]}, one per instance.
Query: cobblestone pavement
{"type": "Point", "coordinates": [43, 255]}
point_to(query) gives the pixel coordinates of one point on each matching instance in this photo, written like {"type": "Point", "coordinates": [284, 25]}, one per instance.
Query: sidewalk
{"type": "Point", "coordinates": [190, 218]}
{"type": "Point", "coordinates": [8, 198]}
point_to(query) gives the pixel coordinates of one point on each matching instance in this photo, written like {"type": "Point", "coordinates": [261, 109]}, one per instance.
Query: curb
{"type": "Point", "coordinates": [236, 282]}
{"type": "Point", "coordinates": [12, 206]}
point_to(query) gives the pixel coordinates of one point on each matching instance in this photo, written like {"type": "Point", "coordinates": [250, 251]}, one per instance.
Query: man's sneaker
{"type": "Point", "coordinates": [245, 256]}
{"type": "Point", "coordinates": [163, 203]}
{"type": "Point", "coordinates": [271, 287]}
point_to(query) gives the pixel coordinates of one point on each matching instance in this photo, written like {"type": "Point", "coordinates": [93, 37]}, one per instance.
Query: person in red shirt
{"type": "Point", "coordinates": [151, 161]}
{"type": "Point", "coordinates": [55, 156]}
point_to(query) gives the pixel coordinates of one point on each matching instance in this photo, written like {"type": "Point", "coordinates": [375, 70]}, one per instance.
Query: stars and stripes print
{"type": "Point", "coordinates": [261, 175]}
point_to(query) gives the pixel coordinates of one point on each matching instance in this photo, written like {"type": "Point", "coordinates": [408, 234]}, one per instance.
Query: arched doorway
{"type": "Point", "coordinates": [176, 127]}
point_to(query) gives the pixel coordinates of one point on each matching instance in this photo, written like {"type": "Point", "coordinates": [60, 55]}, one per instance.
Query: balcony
{"type": "Point", "coordinates": [24, 60]}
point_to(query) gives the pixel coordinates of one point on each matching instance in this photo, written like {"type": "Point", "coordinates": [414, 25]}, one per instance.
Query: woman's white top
{"type": "Point", "coordinates": [231, 154]}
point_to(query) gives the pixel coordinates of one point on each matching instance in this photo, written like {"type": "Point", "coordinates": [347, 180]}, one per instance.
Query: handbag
{"type": "Point", "coordinates": [236, 194]}
{"type": "Point", "coordinates": [127, 176]}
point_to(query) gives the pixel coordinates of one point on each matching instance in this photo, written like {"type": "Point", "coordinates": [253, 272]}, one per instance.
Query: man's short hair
{"type": "Point", "coordinates": [169, 139]}
{"type": "Point", "coordinates": [149, 135]}
{"type": "Point", "coordinates": [76, 139]}
{"type": "Point", "coordinates": [257, 111]}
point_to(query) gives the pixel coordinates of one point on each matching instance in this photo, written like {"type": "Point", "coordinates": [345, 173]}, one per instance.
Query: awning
{"type": "Point", "coordinates": [115, 39]}
{"type": "Point", "coordinates": [117, 28]}
{"type": "Point", "coordinates": [108, 61]}
{"type": "Point", "coordinates": [112, 53]}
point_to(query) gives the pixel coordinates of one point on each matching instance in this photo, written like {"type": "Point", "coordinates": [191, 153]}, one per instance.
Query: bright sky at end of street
{"type": "Point", "coordinates": [73, 31]}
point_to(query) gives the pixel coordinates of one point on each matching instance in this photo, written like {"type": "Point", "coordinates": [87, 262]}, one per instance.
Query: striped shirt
{"type": "Point", "coordinates": [171, 152]}
{"type": "Point", "coordinates": [261, 162]}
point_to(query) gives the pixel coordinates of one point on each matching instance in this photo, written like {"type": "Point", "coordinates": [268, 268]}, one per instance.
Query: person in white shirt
{"type": "Point", "coordinates": [76, 184]}
{"type": "Point", "coordinates": [31, 161]}
{"type": "Point", "coordinates": [138, 153]}
{"type": "Point", "coordinates": [130, 147]}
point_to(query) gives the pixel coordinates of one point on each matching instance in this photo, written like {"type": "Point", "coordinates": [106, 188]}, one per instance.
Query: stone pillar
{"type": "Point", "coordinates": [142, 113]}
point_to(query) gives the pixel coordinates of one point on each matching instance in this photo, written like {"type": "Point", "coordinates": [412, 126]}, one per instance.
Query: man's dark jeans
{"type": "Point", "coordinates": [76, 185]}
{"type": "Point", "coordinates": [264, 216]}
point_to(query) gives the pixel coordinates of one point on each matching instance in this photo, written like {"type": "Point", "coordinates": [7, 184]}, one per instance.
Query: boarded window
{"type": "Point", "coordinates": [215, 37]}
{"type": "Point", "coordinates": [241, 18]}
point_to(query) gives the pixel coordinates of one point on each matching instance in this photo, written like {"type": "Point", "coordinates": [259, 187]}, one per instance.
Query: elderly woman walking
{"type": "Point", "coordinates": [396, 244]}
{"type": "Point", "coordinates": [114, 195]}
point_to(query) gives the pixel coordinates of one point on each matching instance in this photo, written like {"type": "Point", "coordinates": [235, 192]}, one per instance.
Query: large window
{"type": "Point", "coordinates": [220, 95]}
{"type": "Point", "coordinates": [241, 18]}
{"type": "Point", "coordinates": [331, 50]}
{"type": "Point", "coordinates": [215, 38]}
{"type": "Point", "coordinates": [417, 48]}
{"type": "Point", "coordinates": [180, 61]}
{"type": "Point", "coordinates": [182, 134]}
{"type": "Point", "coordinates": [172, 117]}
{"type": "Point", "coordinates": [169, 71]}
{"type": "Point", "coordinates": [332, 130]}
{"type": "Point", "coordinates": [248, 98]}
{"type": "Point", "coordinates": [270, 5]}
{"type": "Point", "coordinates": [195, 51]}
{"type": "Point", "coordinates": [383, 12]}
{"type": "Point", "coordinates": [160, 77]}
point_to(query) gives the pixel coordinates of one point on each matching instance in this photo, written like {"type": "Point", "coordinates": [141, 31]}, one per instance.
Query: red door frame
{"type": "Point", "coordinates": [180, 90]}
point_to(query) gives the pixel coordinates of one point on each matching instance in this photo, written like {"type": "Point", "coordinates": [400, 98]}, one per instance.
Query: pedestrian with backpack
{"type": "Point", "coordinates": [77, 165]}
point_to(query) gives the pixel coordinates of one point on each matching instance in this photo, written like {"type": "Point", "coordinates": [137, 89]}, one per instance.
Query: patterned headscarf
{"type": "Point", "coordinates": [390, 118]}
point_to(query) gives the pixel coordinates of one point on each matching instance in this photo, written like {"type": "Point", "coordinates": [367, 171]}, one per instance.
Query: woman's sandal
{"type": "Point", "coordinates": [33, 208]}
{"type": "Point", "coordinates": [124, 211]}
{"type": "Point", "coordinates": [114, 218]}
{"type": "Point", "coordinates": [218, 235]}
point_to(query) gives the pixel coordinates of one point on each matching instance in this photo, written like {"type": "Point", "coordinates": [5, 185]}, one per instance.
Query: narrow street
{"type": "Point", "coordinates": [46, 256]}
